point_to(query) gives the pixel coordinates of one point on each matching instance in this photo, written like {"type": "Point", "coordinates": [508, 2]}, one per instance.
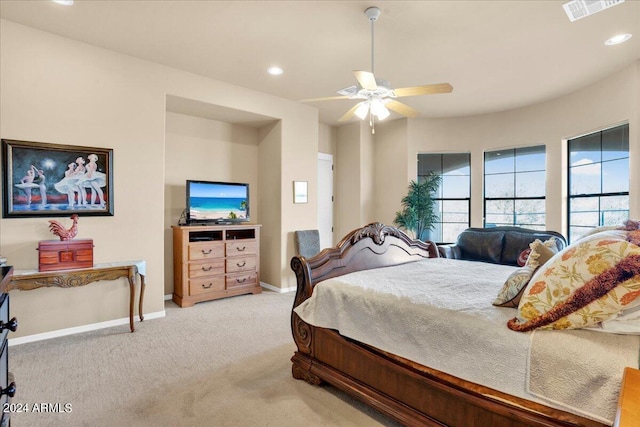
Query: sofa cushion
{"type": "Point", "coordinates": [515, 242]}
{"type": "Point", "coordinates": [481, 246]}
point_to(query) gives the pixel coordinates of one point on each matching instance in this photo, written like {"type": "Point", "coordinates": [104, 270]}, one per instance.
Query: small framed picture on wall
{"type": "Point", "coordinates": [300, 191]}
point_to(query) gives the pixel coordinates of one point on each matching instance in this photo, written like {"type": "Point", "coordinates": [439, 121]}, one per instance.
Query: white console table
{"type": "Point", "coordinates": [27, 280]}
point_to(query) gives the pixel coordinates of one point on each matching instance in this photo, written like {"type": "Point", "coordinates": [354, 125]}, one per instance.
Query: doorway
{"type": "Point", "coordinates": [325, 199]}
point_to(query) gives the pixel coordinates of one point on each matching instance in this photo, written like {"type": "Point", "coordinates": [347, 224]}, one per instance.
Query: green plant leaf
{"type": "Point", "coordinates": [418, 213]}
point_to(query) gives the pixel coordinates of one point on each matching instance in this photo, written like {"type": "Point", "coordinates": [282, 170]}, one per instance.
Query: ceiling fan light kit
{"type": "Point", "coordinates": [376, 95]}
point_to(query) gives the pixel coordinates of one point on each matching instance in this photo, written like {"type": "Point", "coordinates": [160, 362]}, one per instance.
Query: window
{"type": "Point", "coordinates": [514, 187]}
{"type": "Point", "coordinates": [598, 180]}
{"type": "Point", "coordinates": [453, 201]}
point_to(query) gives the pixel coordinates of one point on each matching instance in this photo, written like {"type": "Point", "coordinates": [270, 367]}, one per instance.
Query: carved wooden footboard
{"type": "Point", "coordinates": [413, 394]}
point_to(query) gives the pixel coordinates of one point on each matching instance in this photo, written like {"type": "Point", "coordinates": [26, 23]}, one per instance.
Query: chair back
{"type": "Point", "coordinates": [307, 243]}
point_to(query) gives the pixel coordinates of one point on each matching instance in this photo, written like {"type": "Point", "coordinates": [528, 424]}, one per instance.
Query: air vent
{"type": "Point", "coordinates": [578, 9]}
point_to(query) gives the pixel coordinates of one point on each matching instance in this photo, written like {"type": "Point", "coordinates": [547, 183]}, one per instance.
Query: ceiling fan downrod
{"type": "Point", "coordinates": [373, 13]}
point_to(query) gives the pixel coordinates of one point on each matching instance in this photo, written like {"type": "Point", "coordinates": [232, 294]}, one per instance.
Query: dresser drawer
{"type": "Point", "coordinates": [206, 268]}
{"type": "Point", "coordinates": [238, 264]}
{"type": "Point", "coordinates": [4, 373]}
{"type": "Point", "coordinates": [206, 284]}
{"type": "Point", "coordinates": [248, 278]}
{"type": "Point", "coordinates": [4, 315]}
{"type": "Point", "coordinates": [206, 250]}
{"type": "Point", "coordinates": [241, 248]}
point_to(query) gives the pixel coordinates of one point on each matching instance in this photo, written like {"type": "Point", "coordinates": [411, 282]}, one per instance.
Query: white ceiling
{"type": "Point", "coordinates": [498, 55]}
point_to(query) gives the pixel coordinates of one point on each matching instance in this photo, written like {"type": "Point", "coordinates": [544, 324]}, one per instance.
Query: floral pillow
{"type": "Point", "coordinates": [587, 283]}
{"type": "Point", "coordinates": [539, 253]}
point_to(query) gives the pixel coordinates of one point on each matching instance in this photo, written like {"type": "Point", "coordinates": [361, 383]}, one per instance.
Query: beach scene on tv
{"type": "Point", "coordinates": [215, 202]}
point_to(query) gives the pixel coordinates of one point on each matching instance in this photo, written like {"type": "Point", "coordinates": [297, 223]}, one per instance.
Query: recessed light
{"type": "Point", "coordinates": [620, 38]}
{"type": "Point", "coordinates": [64, 2]}
{"type": "Point", "coordinates": [275, 71]}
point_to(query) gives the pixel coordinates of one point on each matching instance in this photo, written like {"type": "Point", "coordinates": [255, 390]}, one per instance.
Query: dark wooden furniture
{"type": "Point", "coordinates": [628, 414]}
{"type": "Point", "coordinates": [217, 261]}
{"type": "Point", "coordinates": [411, 393]}
{"type": "Point", "coordinates": [7, 385]}
{"type": "Point", "coordinates": [65, 254]}
{"type": "Point", "coordinates": [26, 280]}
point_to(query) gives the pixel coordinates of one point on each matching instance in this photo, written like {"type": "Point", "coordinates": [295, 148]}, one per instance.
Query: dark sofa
{"type": "Point", "coordinates": [497, 245]}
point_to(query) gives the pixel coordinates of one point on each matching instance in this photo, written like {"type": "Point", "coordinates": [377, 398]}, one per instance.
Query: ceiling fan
{"type": "Point", "coordinates": [377, 95]}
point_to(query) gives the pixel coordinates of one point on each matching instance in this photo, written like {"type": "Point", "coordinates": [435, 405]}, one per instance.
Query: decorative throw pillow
{"type": "Point", "coordinates": [599, 230]}
{"type": "Point", "coordinates": [628, 225]}
{"type": "Point", "coordinates": [539, 253]}
{"type": "Point", "coordinates": [522, 258]}
{"type": "Point", "coordinates": [588, 282]}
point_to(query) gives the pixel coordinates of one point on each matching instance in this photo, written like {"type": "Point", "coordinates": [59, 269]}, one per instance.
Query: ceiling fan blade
{"type": "Point", "coordinates": [401, 108]}
{"type": "Point", "coordinates": [423, 90]}
{"type": "Point", "coordinates": [349, 113]}
{"type": "Point", "coordinates": [326, 98]}
{"type": "Point", "coordinates": [366, 80]}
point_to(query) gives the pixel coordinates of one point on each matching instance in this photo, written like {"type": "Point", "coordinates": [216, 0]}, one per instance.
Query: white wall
{"type": "Point", "coordinates": [327, 139]}
{"type": "Point", "coordinates": [390, 155]}
{"type": "Point", "coordinates": [57, 90]}
{"type": "Point", "coordinates": [611, 101]}
{"type": "Point", "coordinates": [209, 150]}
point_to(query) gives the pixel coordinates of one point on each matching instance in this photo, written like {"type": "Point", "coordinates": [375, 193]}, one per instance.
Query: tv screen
{"type": "Point", "coordinates": [217, 202]}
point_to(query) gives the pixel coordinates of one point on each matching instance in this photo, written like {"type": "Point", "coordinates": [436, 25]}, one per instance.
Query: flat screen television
{"type": "Point", "coordinates": [210, 202]}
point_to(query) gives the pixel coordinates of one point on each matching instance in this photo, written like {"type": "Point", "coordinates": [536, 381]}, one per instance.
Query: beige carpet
{"type": "Point", "coordinates": [219, 363]}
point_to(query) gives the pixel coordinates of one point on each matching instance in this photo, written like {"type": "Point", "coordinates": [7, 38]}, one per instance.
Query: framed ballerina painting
{"type": "Point", "coordinates": [43, 179]}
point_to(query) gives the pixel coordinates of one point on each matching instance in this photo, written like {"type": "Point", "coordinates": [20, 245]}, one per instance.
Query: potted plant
{"type": "Point", "coordinates": [418, 213]}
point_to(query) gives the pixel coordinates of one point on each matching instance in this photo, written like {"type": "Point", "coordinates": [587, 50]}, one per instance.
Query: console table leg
{"type": "Point", "coordinates": [142, 285]}
{"type": "Point", "coordinates": [132, 294]}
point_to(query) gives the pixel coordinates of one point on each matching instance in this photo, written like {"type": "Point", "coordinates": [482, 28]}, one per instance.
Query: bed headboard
{"type": "Point", "coordinates": [372, 246]}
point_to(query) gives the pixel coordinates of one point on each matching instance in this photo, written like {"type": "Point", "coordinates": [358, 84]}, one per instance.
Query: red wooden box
{"type": "Point", "coordinates": [65, 254]}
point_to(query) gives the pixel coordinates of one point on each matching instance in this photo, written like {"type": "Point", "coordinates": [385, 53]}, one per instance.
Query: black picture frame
{"type": "Point", "coordinates": [42, 179]}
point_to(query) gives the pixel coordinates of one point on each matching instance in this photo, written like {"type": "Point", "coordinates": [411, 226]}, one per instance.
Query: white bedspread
{"type": "Point", "coordinates": [438, 313]}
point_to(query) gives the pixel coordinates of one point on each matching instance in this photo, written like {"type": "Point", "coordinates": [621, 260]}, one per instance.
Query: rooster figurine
{"type": "Point", "coordinates": [64, 234]}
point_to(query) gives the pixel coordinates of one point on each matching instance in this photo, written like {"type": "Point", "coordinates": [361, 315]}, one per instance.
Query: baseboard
{"type": "Point", "coordinates": [262, 284]}
{"type": "Point", "coordinates": [80, 329]}
{"type": "Point", "coordinates": [275, 289]}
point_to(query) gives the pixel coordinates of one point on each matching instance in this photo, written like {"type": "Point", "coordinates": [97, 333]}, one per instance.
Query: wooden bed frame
{"type": "Point", "coordinates": [413, 394]}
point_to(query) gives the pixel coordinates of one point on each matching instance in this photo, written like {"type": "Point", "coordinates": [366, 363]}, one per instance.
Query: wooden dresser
{"type": "Point", "coordinates": [7, 385]}
{"type": "Point", "coordinates": [211, 262]}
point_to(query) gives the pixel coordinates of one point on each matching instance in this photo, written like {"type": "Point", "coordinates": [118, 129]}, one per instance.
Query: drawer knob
{"type": "Point", "coordinates": [208, 268]}
{"type": "Point", "coordinates": [207, 286]}
{"type": "Point", "coordinates": [241, 249]}
{"type": "Point", "coordinates": [10, 390]}
{"type": "Point", "coordinates": [207, 252]}
{"type": "Point", "coordinates": [244, 279]}
{"type": "Point", "coordinates": [11, 325]}
{"type": "Point", "coordinates": [241, 265]}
